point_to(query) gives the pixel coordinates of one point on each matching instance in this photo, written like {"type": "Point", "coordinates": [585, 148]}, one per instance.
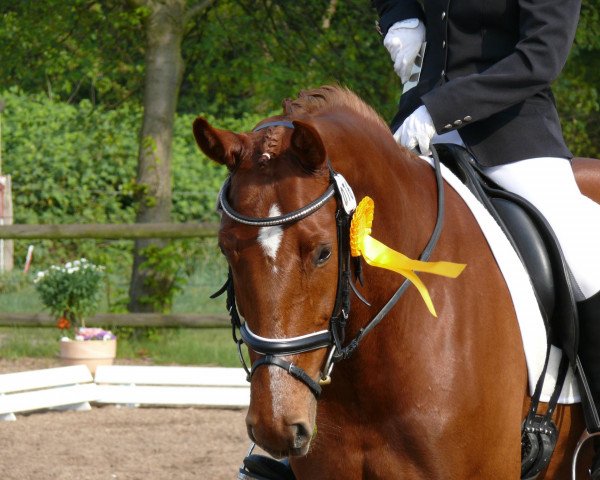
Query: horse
{"type": "Point", "coordinates": [420, 397]}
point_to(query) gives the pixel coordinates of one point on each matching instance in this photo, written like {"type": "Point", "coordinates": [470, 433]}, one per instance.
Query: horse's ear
{"type": "Point", "coordinates": [222, 146]}
{"type": "Point", "coordinates": [307, 144]}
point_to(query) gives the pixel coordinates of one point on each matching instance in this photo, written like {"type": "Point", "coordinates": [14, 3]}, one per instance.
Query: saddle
{"type": "Point", "coordinates": [539, 250]}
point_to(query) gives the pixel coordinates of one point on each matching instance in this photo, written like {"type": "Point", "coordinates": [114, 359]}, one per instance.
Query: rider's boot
{"type": "Point", "coordinates": [589, 354]}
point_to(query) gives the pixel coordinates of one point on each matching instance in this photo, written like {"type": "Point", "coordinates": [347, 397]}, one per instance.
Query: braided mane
{"type": "Point", "coordinates": [327, 97]}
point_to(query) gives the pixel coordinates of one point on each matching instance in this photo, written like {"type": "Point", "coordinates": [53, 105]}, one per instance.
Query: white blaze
{"type": "Point", "coordinates": [269, 238]}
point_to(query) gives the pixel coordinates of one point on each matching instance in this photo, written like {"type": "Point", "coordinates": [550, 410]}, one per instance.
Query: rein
{"type": "Point", "coordinates": [273, 348]}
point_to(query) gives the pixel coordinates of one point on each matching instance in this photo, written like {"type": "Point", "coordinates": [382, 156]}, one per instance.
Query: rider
{"type": "Point", "coordinates": [485, 84]}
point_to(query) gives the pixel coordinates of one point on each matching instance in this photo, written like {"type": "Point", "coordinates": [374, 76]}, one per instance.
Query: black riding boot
{"type": "Point", "coordinates": [589, 354]}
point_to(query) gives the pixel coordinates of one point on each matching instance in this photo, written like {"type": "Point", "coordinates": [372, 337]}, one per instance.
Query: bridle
{"type": "Point", "coordinates": [272, 349]}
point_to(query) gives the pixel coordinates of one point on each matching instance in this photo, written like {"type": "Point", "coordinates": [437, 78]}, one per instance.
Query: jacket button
{"type": "Point", "coordinates": [443, 15]}
{"type": "Point", "coordinates": [443, 43]}
{"type": "Point", "coordinates": [447, 127]}
{"type": "Point", "coordinates": [468, 118]}
{"type": "Point", "coordinates": [458, 123]}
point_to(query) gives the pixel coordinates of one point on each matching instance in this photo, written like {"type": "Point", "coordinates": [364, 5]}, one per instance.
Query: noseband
{"type": "Point", "coordinates": [274, 348]}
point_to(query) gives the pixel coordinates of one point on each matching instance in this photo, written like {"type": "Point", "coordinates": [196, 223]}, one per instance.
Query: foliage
{"type": "Point", "coordinates": [70, 291]}
{"type": "Point", "coordinates": [244, 56]}
{"type": "Point", "coordinates": [166, 264]}
{"type": "Point", "coordinates": [75, 50]}
{"type": "Point", "coordinates": [577, 91]}
{"type": "Point", "coordinates": [287, 47]}
{"type": "Point", "coordinates": [76, 164]}
{"type": "Point", "coordinates": [11, 282]}
{"type": "Point", "coordinates": [70, 162]}
{"type": "Point", "coordinates": [210, 272]}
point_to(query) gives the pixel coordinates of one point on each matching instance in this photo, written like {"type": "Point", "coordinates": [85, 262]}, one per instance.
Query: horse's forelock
{"type": "Point", "coordinates": [272, 140]}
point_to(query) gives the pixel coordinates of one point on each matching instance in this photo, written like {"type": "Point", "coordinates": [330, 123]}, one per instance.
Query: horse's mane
{"type": "Point", "coordinates": [318, 100]}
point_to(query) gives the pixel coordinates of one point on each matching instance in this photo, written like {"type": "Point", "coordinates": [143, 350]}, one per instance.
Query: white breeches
{"type": "Point", "coordinates": [549, 184]}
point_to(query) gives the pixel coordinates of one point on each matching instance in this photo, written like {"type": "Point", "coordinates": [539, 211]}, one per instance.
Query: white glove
{"type": "Point", "coordinates": [403, 40]}
{"type": "Point", "coordinates": [417, 129]}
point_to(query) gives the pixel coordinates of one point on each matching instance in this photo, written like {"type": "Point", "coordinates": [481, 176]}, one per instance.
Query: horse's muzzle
{"type": "Point", "coordinates": [281, 440]}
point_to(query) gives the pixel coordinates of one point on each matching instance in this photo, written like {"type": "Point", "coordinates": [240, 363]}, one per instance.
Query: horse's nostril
{"type": "Point", "coordinates": [302, 436]}
{"type": "Point", "coordinates": [251, 436]}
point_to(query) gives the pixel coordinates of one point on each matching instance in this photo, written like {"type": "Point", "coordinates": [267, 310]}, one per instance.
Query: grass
{"type": "Point", "coordinates": [181, 346]}
{"type": "Point", "coordinates": [18, 342]}
{"type": "Point", "coordinates": [207, 346]}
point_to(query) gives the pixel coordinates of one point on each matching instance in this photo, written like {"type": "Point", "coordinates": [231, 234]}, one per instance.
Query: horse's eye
{"type": "Point", "coordinates": [323, 254]}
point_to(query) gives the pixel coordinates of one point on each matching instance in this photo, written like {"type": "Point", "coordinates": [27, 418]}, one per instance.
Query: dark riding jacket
{"type": "Point", "coordinates": [487, 72]}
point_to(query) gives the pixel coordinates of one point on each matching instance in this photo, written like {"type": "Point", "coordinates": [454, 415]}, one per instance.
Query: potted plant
{"type": "Point", "coordinates": [71, 293]}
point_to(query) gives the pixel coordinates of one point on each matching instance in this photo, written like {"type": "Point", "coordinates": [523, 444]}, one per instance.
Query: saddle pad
{"type": "Point", "coordinates": [533, 331]}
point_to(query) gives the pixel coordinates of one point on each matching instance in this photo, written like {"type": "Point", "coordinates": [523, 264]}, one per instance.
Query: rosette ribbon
{"type": "Point", "coordinates": [379, 255]}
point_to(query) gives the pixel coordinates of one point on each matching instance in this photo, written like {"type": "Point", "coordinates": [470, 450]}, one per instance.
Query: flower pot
{"type": "Point", "coordinates": [88, 352]}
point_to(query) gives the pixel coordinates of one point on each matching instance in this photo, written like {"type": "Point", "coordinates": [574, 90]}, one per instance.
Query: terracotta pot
{"type": "Point", "coordinates": [88, 352]}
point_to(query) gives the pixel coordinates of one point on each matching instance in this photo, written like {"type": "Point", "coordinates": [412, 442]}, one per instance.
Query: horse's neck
{"type": "Point", "coordinates": [405, 196]}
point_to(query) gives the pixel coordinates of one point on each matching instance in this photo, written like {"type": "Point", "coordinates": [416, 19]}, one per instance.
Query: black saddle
{"type": "Point", "coordinates": [535, 243]}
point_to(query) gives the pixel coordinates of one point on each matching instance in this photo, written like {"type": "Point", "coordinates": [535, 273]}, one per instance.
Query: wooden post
{"type": "Point", "coordinates": [158, 320]}
{"type": "Point", "coordinates": [6, 246]}
{"type": "Point", "coordinates": [6, 218]}
{"type": "Point", "coordinates": [110, 231]}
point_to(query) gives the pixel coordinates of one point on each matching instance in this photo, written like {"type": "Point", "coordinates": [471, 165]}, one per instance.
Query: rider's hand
{"type": "Point", "coordinates": [403, 40]}
{"type": "Point", "coordinates": [417, 129]}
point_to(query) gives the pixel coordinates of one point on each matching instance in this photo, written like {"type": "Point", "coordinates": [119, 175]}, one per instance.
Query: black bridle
{"type": "Point", "coordinates": [274, 348]}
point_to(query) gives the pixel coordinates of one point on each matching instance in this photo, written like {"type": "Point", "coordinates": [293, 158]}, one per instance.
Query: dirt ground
{"type": "Point", "coordinates": [109, 442]}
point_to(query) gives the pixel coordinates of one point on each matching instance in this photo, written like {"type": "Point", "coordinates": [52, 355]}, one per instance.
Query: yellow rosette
{"type": "Point", "coordinates": [379, 255]}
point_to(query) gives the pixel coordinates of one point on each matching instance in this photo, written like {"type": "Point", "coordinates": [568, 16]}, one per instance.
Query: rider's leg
{"type": "Point", "coordinates": [550, 185]}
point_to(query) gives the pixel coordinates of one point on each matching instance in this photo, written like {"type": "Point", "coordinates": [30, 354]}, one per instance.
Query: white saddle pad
{"type": "Point", "coordinates": [528, 314]}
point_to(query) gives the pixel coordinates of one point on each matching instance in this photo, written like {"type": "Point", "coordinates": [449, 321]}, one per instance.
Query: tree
{"type": "Point", "coordinates": [164, 27]}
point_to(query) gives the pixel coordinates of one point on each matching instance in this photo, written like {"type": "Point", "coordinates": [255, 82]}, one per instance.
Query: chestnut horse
{"type": "Point", "coordinates": [421, 397]}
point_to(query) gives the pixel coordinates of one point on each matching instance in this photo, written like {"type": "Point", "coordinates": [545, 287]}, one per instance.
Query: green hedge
{"type": "Point", "coordinates": [77, 164]}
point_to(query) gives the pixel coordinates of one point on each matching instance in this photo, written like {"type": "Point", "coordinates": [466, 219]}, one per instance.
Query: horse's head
{"type": "Point", "coordinates": [284, 274]}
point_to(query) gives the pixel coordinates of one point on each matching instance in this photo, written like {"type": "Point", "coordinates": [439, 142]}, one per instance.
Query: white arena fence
{"type": "Point", "coordinates": [74, 388]}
